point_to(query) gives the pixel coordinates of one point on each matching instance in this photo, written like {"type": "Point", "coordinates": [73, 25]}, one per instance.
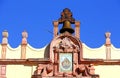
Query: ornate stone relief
{"type": "Point", "coordinates": [66, 45]}
{"type": "Point", "coordinates": [65, 52]}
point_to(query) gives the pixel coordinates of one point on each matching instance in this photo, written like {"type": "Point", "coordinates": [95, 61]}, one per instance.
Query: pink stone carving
{"type": "Point", "coordinates": [24, 37]}
{"type": "Point", "coordinates": [108, 41]}
{"type": "Point", "coordinates": [5, 36]}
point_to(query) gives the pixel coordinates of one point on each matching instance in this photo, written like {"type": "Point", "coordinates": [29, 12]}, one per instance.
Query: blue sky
{"type": "Point", "coordinates": [36, 17]}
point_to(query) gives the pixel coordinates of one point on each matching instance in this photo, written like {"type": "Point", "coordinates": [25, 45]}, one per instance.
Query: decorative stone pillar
{"type": "Point", "coordinates": [77, 29]}
{"type": "Point", "coordinates": [56, 62]}
{"type": "Point", "coordinates": [4, 44]}
{"type": "Point", "coordinates": [108, 45]}
{"type": "Point", "coordinates": [55, 23]}
{"type": "Point", "coordinates": [75, 60]}
{"type": "Point", "coordinates": [3, 53]}
{"type": "Point", "coordinates": [24, 44]}
{"type": "Point", "coordinates": [3, 71]}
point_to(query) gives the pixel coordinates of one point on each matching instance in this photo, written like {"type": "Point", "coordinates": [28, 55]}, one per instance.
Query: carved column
{"type": "Point", "coordinates": [108, 45]}
{"type": "Point", "coordinates": [75, 61]}
{"type": "Point", "coordinates": [55, 23]}
{"type": "Point", "coordinates": [3, 71]}
{"type": "Point", "coordinates": [77, 29]}
{"type": "Point", "coordinates": [4, 44]}
{"type": "Point", "coordinates": [3, 53]}
{"type": "Point", "coordinates": [23, 45]}
{"type": "Point", "coordinates": [55, 69]}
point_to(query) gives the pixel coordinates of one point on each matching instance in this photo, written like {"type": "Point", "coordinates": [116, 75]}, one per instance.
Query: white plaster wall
{"type": "Point", "coordinates": [19, 71]}
{"type": "Point", "coordinates": [108, 71]}
{"type": "Point", "coordinates": [34, 53]}
{"type": "Point", "coordinates": [100, 52]}
{"type": "Point", "coordinates": [94, 53]}
{"type": "Point", "coordinates": [13, 53]}
{"type": "Point", "coordinates": [115, 52]}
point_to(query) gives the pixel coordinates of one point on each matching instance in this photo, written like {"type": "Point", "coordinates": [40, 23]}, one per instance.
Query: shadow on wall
{"type": "Point", "coordinates": [47, 51]}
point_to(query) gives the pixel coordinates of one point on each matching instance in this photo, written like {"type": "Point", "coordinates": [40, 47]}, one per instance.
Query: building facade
{"type": "Point", "coordinates": [64, 57]}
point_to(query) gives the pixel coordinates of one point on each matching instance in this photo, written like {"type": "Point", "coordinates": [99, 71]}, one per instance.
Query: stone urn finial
{"type": "Point", "coordinates": [5, 36]}
{"type": "Point", "coordinates": [108, 41]}
{"type": "Point", "coordinates": [24, 37]}
{"type": "Point", "coordinates": [5, 33]}
{"type": "Point", "coordinates": [107, 34]}
{"type": "Point", "coordinates": [24, 34]}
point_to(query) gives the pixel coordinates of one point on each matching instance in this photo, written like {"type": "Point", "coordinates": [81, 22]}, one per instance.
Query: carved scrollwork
{"type": "Point", "coordinates": [66, 45]}
{"type": "Point", "coordinates": [86, 70]}
{"type": "Point", "coordinates": [44, 70]}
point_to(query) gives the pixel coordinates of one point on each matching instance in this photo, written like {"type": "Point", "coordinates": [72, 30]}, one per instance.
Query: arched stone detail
{"type": "Point", "coordinates": [65, 44]}
{"type": "Point", "coordinates": [59, 38]}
